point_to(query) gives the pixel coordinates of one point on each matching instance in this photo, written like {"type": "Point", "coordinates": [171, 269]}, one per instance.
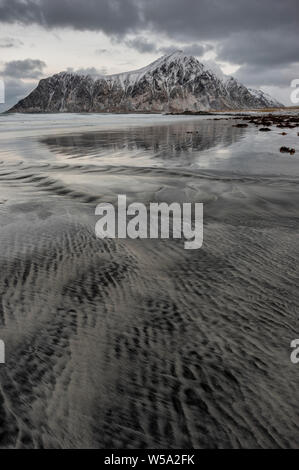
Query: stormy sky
{"type": "Point", "coordinates": [254, 40]}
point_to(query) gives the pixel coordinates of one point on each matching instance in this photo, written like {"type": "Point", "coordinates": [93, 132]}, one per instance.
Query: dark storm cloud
{"type": "Point", "coordinates": [215, 19]}
{"type": "Point", "coordinates": [251, 31]}
{"type": "Point", "coordinates": [27, 68]}
{"type": "Point", "coordinates": [255, 75]}
{"type": "Point", "coordinates": [114, 17]}
{"type": "Point", "coordinates": [261, 36]}
{"type": "Point", "coordinates": [265, 48]}
{"type": "Point", "coordinates": [188, 19]}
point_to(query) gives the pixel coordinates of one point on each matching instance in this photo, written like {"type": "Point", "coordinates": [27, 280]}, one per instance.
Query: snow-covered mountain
{"type": "Point", "coordinates": [173, 83]}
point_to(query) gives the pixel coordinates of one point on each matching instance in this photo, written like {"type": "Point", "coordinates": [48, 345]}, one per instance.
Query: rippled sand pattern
{"type": "Point", "coordinates": [142, 344]}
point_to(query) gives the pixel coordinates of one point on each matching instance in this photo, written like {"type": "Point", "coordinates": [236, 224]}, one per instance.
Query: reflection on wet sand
{"type": "Point", "coordinates": [177, 144]}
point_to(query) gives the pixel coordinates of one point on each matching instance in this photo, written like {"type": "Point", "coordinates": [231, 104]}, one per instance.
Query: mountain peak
{"type": "Point", "coordinates": [175, 82]}
{"type": "Point", "coordinates": [178, 56]}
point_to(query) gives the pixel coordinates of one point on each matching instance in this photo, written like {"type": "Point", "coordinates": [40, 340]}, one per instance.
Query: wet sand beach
{"type": "Point", "coordinates": [141, 343]}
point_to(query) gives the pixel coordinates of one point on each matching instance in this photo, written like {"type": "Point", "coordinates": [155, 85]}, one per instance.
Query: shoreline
{"type": "Point", "coordinates": [182, 113]}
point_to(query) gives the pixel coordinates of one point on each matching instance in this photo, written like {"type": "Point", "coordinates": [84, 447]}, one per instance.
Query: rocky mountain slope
{"type": "Point", "coordinates": [173, 83]}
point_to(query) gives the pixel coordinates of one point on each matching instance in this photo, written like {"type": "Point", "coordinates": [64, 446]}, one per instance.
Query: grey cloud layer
{"type": "Point", "coordinates": [258, 35]}
{"type": "Point", "coordinates": [262, 48]}
{"type": "Point", "coordinates": [141, 44]}
{"type": "Point", "coordinates": [8, 43]}
{"type": "Point", "coordinates": [20, 79]}
{"type": "Point", "coordinates": [209, 19]}
{"type": "Point", "coordinates": [251, 31]}
{"type": "Point", "coordinates": [15, 89]}
{"type": "Point", "coordinates": [111, 16]}
{"type": "Point", "coordinates": [144, 45]}
{"type": "Point", "coordinates": [262, 76]}
{"type": "Point", "coordinates": [27, 68]}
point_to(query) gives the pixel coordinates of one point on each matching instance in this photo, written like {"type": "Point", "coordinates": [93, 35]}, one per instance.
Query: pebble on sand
{"type": "Point", "coordinates": [287, 150]}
